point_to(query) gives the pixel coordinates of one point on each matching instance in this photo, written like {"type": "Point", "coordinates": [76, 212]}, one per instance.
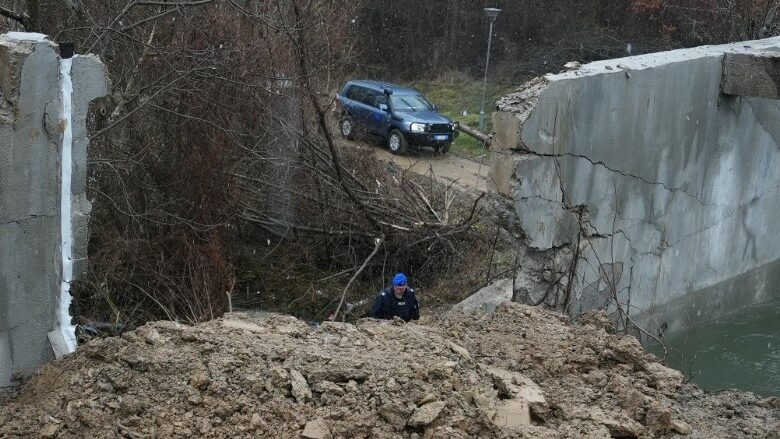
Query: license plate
{"type": "Point", "coordinates": [441, 137]}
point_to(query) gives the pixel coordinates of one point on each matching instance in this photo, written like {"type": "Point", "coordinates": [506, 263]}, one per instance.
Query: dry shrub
{"type": "Point", "coordinates": [430, 232]}
{"type": "Point", "coordinates": [646, 6]}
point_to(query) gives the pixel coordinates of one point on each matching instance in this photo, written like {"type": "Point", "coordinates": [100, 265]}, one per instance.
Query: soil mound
{"type": "Point", "coordinates": [519, 372]}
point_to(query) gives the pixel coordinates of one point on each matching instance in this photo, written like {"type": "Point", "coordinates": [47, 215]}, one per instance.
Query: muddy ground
{"type": "Point", "coordinates": [467, 175]}
{"type": "Point", "coordinates": [519, 372]}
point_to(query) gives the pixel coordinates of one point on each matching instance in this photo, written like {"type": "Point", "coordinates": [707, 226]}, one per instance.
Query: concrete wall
{"type": "Point", "coordinates": [671, 187]}
{"type": "Point", "coordinates": [30, 148]}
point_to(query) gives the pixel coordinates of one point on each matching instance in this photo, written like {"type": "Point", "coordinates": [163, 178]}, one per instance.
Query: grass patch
{"type": "Point", "coordinates": [459, 96]}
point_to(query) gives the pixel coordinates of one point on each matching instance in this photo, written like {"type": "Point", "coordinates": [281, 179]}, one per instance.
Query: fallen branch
{"type": "Point", "coordinates": [379, 242]}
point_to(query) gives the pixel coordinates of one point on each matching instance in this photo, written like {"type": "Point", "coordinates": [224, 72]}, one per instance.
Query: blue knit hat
{"type": "Point", "coordinates": [399, 280]}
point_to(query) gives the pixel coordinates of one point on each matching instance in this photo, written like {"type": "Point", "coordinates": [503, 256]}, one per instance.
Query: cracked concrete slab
{"type": "Point", "coordinates": [679, 184]}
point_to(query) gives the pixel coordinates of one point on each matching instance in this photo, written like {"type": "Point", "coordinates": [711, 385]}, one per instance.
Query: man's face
{"type": "Point", "coordinates": [399, 290]}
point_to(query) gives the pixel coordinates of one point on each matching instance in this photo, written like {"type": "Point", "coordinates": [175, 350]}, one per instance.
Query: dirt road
{"type": "Point", "coordinates": [465, 174]}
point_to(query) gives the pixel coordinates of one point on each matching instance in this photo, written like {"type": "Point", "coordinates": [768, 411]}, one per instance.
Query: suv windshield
{"type": "Point", "coordinates": [409, 103]}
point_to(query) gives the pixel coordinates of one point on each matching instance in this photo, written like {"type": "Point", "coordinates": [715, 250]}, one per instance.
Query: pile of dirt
{"type": "Point", "coordinates": [519, 372]}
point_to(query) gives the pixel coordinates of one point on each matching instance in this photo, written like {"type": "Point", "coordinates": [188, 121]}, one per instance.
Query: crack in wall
{"type": "Point", "coordinates": [619, 172]}
{"type": "Point", "coordinates": [714, 210]}
{"type": "Point", "coordinates": [539, 197]}
{"type": "Point", "coordinates": [21, 220]}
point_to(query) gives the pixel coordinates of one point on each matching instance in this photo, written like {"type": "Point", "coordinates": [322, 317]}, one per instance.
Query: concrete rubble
{"type": "Point", "coordinates": [489, 297]}
{"type": "Point", "coordinates": [518, 372]}
{"type": "Point", "coordinates": [664, 187]}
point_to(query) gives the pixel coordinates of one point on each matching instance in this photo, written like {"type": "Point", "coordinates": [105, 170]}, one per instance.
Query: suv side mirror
{"type": "Point", "coordinates": [383, 107]}
{"type": "Point", "coordinates": [435, 107]}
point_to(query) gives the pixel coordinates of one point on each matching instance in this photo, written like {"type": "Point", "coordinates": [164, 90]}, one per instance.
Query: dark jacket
{"type": "Point", "coordinates": [387, 306]}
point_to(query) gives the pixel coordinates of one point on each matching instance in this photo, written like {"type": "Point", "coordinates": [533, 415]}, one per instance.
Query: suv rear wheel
{"type": "Point", "coordinates": [396, 142]}
{"type": "Point", "coordinates": [347, 127]}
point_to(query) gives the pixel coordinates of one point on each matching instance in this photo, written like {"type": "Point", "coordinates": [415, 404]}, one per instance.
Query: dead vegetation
{"type": "Point", "coordinates": [214, 141]}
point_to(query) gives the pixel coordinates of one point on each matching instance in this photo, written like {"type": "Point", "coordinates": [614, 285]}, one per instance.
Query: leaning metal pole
{"type": "Point", "coordinates": [484, 86]}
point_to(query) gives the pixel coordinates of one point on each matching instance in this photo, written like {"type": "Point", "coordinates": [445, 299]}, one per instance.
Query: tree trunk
{"type": "Point", "coordinates": [33, 12]}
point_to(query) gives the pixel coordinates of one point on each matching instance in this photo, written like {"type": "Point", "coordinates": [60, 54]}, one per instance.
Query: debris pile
{"type": "Point", "coordinates": [519, 372]}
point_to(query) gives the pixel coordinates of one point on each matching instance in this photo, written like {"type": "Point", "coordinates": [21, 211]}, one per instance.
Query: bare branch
{"type": "Point", "coordinates": [378, 244]}
{"type": "Point", "coordinates": [182, 3]}
{"type": "Point", "coordinates": [20, 18]}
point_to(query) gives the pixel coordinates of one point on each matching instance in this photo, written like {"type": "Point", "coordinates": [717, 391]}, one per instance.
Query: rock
{"type": "Point", "coordinates": [153, 337]}
{"type": "Point", "coordinates": [598, 319]}
{"type": "Point", "coordinates": [242, 325]}
{"type": "Point", "coordinates": [256, 421]}
{"type": "Point", "coordinates": [316, 429]}
{"type": "Point", "coordinates": [460, 350]}
{"type": "Point", "coordinates": [326, 386]}
{"type": "Point", "coordinates": [681, 427]}
{"type": "Point", "coordinates": [426, 414]}
{"type": "Point", "coordinates": [300, 388]}
{"type": "Point", "coordinates": [395, 414]}
{"type": "Point", "coordinates": [658, 418]}
{"type": "Point", "coordinates": [49, 430]}
{"type": "Point", "coordinates": [665, 379]}
{"type": "Point", "coordinates": [622, 427]}
{"type": "Point", "coordinates": [351, 386]}
{"type": "Point", "coordinates": [429, 397]}
{"type": "Point", "coordinates": [200, 380]}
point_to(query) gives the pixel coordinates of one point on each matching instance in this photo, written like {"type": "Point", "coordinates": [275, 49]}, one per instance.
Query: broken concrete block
{"type": "Point", "coordinates": [522, 102]}
{"type": "Point", "coordinates": [500, 175]}
{"type": "Point", "coordinates": [512, 414]}
{"type": "Point", "coordinates": [426, 414]}
{"type": "Point", "coordinates": [488, 298]}
{"type": "Point", "coordinates": [751, 74]}
{"type": "Point", "coordinates": [507, 127]}
{"type": "Point", "coordinates": [518, 386]}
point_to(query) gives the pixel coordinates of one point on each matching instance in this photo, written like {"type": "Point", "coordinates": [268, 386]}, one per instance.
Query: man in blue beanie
{"type": "Point", "coordinates": [398, 300]}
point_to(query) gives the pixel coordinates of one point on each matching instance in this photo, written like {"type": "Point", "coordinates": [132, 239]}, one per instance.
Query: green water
{"type": "Point", "coordinates": [740, 350]}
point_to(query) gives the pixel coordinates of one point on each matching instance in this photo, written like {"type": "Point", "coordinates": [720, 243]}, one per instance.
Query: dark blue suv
{"type": "Point", "coordinates": [400, 115]}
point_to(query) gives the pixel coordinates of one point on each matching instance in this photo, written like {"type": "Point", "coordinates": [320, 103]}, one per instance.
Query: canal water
{"type": "Point", "coordinates": [740, 350]}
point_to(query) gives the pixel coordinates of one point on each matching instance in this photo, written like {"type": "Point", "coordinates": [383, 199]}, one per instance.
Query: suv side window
{"type": "Point", "coordinates": [368, 97]}
{"type": "Point", "coordinates": [354, 93]}
{"type": "Point", "coordinates": [379, 98]}
{"type": "Point", "coordinates": [361, 94]}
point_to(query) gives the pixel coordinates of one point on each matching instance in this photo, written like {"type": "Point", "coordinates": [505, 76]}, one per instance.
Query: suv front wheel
{"type": "Point", "coordinates": [396, 142]}
{"type": "Point", "coordinates": [347, 128]}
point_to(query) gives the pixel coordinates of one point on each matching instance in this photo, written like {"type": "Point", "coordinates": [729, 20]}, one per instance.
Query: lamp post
{"type": "Point", "coordinates": [492, 13]}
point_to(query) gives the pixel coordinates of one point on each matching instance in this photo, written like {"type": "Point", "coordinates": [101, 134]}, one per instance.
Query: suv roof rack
{"type": "Point", "coordinates": [385, 86]}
